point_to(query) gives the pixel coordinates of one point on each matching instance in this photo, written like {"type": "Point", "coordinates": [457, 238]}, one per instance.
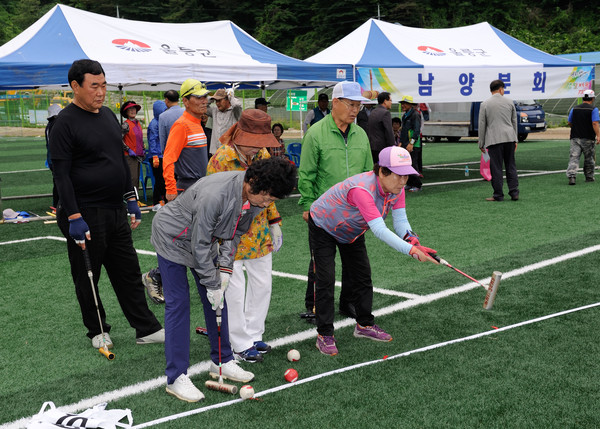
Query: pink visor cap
{"type": "Point", "coordinates": [397, 159]}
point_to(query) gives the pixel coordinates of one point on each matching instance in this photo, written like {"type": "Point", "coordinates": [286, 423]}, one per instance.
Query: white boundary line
{"type": "Point", "coordinates": [310, 333]}
{"type": "Point", "coordinates": [362, 364]}
{"type": "Point", "coordinates": [275, 273]}
{"type": "Point", "coordinates": [24, 171]}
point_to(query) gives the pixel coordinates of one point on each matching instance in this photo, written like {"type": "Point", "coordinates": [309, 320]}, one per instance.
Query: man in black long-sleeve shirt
{"type": "Point", "coordinates": [95, 194]}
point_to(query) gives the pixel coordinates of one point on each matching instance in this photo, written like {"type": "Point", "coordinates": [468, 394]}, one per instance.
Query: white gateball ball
{"type": "Point", "coordinates": [293, 355]}
{"type": "Point", "coordinates": [246, 391]}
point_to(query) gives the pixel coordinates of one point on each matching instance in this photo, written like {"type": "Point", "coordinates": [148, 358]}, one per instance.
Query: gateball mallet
{"type": "Point", "coordinates": [220, 386]}
{"type": "Point", "coordinates": [491, 289]}
{"type": "Point", "coordinates": [88, 266]}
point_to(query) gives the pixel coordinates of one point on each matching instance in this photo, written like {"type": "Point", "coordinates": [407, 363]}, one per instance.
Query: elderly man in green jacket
{"type": "Point", "coordinates": [333, 149]}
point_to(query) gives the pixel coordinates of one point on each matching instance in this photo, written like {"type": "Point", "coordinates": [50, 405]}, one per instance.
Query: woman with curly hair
{"type": "Point", "coordinates": [201, 230]}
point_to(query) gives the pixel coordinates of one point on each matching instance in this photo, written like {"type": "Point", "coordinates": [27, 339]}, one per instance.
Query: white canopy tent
{"type": "Point", "coordinates": [146, 55]}
{"type": "Point", "coordinates": [453, 65]}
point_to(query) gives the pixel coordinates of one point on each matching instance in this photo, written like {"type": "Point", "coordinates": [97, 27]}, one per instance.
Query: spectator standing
{"type": "Point", "coordinates": [186, 156]}
{"type": "Point", "coordinates": [168, 118]}
{"type": "Point", "coordinates": [362, 119]}
{"type": "Point", "coordinates": [53, 111]}
{"type": "Point", "coordinates": [92, 178]}
{"type": "Point", "coordinates": [396, 126]}
{"type": "Point", "coordinates": [133, 138]}
{"type": "Point", "coordinates": [380, 131]}
{"type": "Point", "coordinates": [339, 219]}
{"type": "Point", "coordinates": [225, 112]}
{"type": "Point", "coordinates": [410, 138]}
{"type": "Point", "coordinates": [151, 279]}
{"type": "Point", "coordinates": [585, 135]}
{"type": "Point", "coordinates": [201, 230]}
{"type": "Point", "coordinates": [261, 104]}
{"type": "Point", "coordinates": [155, 155]}
{"type": "Point", "coordinates": [277, 130]}
{"type": "Point", "coordinates": [318, 113]}
{"type": "Point", "coordinates": [498, 135]}
{"type": "Point", "coordinates": [333, 149]}
{"type": "Point", "coordinates": [248, 303]}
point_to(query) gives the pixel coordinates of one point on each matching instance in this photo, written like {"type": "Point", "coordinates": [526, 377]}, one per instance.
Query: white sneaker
{"type": "Point", "coordinates": [157, 338]}
{"type": "Point", "coordinates": [98, 341]}
{"type": "Point", "coordinates": [232, 371]}
{"type": "Point", "coordinates": [183, 388]}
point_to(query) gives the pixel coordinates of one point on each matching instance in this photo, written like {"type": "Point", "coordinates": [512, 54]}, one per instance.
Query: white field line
{"type": "Point", "coordinates": [25, 171]}
{"type": "Point", "coordinates": [363, 364]}
{"type": "Point", "coordinates": [275, 273]}
{"type": "Point", "coordinates": [311, 333]}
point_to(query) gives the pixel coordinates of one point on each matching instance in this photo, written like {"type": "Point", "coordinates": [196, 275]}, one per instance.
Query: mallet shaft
{"type": "Point", "coordinates": [88, 266]}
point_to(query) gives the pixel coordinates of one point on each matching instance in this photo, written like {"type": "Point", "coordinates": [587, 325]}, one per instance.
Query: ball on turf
{"type": "Point", "coordinates": [293, 355]}
{"type": "Point", "coordinates": [246, 391]}
{"type": "Point", "coordinates": [291, 375]}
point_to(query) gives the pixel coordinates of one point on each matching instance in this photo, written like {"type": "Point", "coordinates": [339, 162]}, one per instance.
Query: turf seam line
{"type": "Point", "coordinates": [363, 364]}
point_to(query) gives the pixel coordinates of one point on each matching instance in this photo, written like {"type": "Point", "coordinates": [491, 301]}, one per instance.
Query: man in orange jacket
{"type": "Point", "coordinates": [186, 154]}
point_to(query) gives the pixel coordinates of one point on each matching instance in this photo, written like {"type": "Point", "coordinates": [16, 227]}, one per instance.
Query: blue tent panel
{"type": "Point", "coordinates": [380, 52]}
{"type": "Point", "coordinates": [41, 65]}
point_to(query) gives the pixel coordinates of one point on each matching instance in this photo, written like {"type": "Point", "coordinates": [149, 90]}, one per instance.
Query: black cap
{"type": "Point", "coordinates": [261, 101]}
{"type": "Point", "coordinates": [323, 96]}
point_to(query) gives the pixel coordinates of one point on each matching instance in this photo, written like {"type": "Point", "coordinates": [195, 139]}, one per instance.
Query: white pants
{"type": "Point", "coordinates": [248, 307]}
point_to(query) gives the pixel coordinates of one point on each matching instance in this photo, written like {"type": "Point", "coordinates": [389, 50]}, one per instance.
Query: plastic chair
{"type": "Point", "coordinates": [293, 151]}
{"type": "Point", "coordinates": [145, 175]}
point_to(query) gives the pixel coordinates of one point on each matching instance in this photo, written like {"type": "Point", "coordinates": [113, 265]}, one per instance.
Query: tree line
{"type": "Point", "coordinates": [303, 29]}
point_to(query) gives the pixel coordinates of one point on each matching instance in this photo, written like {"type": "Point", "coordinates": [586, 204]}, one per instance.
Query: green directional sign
{"type": "Point", "coordinates": [296, 100]}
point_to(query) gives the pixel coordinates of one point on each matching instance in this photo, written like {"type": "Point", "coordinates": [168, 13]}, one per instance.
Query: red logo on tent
{"type": "Point", "coordinates": [430, 50]}
{"type": "Point", "coordinates": [131, 45]}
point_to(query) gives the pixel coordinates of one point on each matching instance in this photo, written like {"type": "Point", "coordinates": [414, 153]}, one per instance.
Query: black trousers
{"type": "Point", "coordinates": [110, 246]}
{"type": "Point", "coordinates": [159, 191]}
{"type": "Point", "coordinates": [503, 153]}
{"type": "Point", "coordinates": [416, 157]}
{"type": "Point", "coordinates": [354, 256]}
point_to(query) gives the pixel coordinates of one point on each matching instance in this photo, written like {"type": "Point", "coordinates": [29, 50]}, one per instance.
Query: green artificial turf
{"type": "Point", "coordinates": [541, 375]}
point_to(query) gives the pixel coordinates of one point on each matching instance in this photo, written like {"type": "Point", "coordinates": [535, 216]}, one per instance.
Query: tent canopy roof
{"type": "Point", "coordinates": [148, 55]}
{"type": "Point", "coordinates": [382, 44]}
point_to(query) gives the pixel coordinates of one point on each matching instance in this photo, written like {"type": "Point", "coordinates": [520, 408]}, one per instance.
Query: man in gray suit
{"type": "Point", "coordinates": [498, 134]}
{"type": "Point", "coordinates": [380, 131]}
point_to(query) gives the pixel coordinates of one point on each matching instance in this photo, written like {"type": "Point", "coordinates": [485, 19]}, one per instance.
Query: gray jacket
{"type": "Point", "coordinates": [222, 121]}
{"type": "Point", "coordinates": [188, 230]}
{"type": "Point", "coordinates": [497, 121]}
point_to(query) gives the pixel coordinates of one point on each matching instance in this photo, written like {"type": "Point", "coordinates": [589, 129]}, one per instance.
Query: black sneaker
{"type": "Point", "coordinates": [262, 347]}
{"type": "Point", "coordinates": [249, 355]}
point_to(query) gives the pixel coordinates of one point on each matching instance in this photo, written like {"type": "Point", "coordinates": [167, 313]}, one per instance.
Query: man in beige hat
{"type": "Point", "coordinates": [186, 155]}
{"type": "Point", "coordinates": [224, 113]}
{"type": "Point", "coordinates": [243, 144]}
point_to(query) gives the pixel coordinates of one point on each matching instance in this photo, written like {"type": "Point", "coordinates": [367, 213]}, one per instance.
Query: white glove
{"type": "Point", "coordinates": [215, 297]}
{"type": "Point", "coordinates": [276, 236]}
{"type": "Point", "coordinates": [225, 277]}
{"type": "Point", "coordinates": [230, 92]}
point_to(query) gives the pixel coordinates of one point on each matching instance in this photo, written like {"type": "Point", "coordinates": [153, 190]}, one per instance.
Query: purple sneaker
{"type": "Point", "coordinates": [372, 332]}
{"type": "Point", "coordinates": [326, 345]}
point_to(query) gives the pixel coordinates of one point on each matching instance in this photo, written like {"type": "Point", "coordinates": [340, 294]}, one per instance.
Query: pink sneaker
{"type": "Point", "coordinates": [326, 345]}
{"type": "Point", "coordinates": [372, 332]}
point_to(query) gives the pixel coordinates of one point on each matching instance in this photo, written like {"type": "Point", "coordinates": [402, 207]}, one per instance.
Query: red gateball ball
{"type": "Point", "coordinates": [291, 375]}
